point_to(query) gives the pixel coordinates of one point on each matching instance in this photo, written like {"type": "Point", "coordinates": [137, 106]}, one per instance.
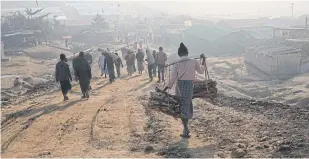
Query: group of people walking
{"type": "Point", "coordinates": [82, 71]}
{"type": "Point", "coordinates": [183, 74]}
{"type": "Point", "coordinates": [155, 61]}
{"type": "Point", "coordinates": [107, 64]}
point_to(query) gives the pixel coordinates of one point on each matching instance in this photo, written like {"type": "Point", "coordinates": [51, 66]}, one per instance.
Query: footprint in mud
{"type": "Point", "coordinates": [67, 127]}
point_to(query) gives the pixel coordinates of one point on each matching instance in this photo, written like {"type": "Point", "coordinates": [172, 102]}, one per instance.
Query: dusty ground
{"type": "Point", "coordinates": [237, 79]}
{"type": "Point", "coordinates": [117, 122]}
{"type": "Point", "coordinates": [37, 61]}
{"type": "Point", "coordinates": [112, 123]}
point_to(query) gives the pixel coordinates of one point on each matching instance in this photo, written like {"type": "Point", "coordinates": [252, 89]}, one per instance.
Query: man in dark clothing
{"type": "Point", "coordinates": [88, 57]}
{"type": "Point", "coordinates": [134, 57]}
{"type": "Point", "coordinates": [63, 75]}
{"type": "Point", "coordinates": [109, 64]}
{"type": "Point", "coordinates": [82, 73]}
{"type": "Point", "coordinates": [118, 63]}
{"type": "Point", "coordinates": [154, 54]}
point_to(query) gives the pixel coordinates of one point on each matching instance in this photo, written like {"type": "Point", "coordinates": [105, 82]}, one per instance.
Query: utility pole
{"type": "Point", "coordinates": [306, 22]}
{"type": "Point", "coordinates": [292, 6]}
{"type": "Point", "coordinates": [306, 25]}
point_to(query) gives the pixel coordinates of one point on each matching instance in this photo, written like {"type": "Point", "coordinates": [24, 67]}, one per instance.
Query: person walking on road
{"type": "Point", "coordinates": [130, 58]}
{"type": "Point", "coordinates": [140, 61]}
{"type": "Point", "coordinates": [63, 76]}
{"type": "Point", "coordinates": [88, 57]}
{"type": "Point", "coordinates": [154, 54]}
{"type": "Point", "coordinates": [183, 73]}
{"type": "Point", "coordinates": [82, 73]}
{"type": "Point", "coordinates": [151, 63]}
{"type": "Point", "coordinates": [118, 63]}
{"type": "Point", "coordinates": [101, 63]}
{"type": "Point", "coordinates": [124, 51]}
{"type": "Point", "coordinates": [109, 65]}
{"type": "Point", "coordinates": [134, 58]}
{"type": "Point", "coordinates": [161, 59]}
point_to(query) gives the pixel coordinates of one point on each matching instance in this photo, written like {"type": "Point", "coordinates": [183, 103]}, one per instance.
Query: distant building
{"type": "Point", "coordinates": [291, 33]}
{"type": "Point", "coordinates": [20, 38]}
{"type": "Point", "coordinates": [274, 59]}
{"type": "Point", "coordinates": [238, 24]}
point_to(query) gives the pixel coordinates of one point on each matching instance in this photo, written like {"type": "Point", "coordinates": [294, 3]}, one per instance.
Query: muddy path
{"type": "Point", "coordinates": [112, 123]}
{"type": "Point", "coordinates": [117, 122]}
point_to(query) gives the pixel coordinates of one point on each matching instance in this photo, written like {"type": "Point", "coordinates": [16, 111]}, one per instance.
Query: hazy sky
{"type": "Point", "coordinates": [219, 8]}
{"type": "Point", "coordinates": [235, 8]}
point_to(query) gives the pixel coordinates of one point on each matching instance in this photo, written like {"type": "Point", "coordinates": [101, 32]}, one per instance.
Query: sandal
{"type": "Point", "coordinates": [185, 135]}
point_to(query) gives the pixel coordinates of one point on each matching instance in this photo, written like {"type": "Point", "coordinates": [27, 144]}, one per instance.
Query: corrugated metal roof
{"type": "Point", "coordinates": [275, 49]}
{"type": "Point", "coordinates": [21, 32]}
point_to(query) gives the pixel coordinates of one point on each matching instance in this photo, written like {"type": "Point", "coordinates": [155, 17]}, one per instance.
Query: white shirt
{"type": "Point", "coordinates": [185, 70]}
{"type": "Point", "coordinates": [101, 61]}
{"type": "Point", "coordinates": [150, 58]}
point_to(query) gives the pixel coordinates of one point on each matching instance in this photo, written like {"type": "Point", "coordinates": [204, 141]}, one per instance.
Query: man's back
{"type": "Point", "coordinates": [101, 60]}
{"type": "Point", "coordinates": [118, 62]}
{"type": "Point", "coordinates": [109, 62]}
{"type": "Point", "coordinates": [140, 56]}
{"type": "Point", "coordinates": [161, 58]}
{"type": "Point", "coordinates": [129, 59]}
{"type": "Point", "coordinates": [82, 67]}
{"type": "Point", "coordinates": [62, 71]}
{"type": "Point", "coordinates": [88, 57]}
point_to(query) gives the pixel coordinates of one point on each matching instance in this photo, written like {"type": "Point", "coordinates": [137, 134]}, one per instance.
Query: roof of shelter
{"type": "Point", "coordinates": [20, 32]}
{"type": "Point", "coordinates": [273, 48]}
{"type": "Point", "coordinates": [262, 33]}
{"type": "Point", "coordinates": [206, 32]}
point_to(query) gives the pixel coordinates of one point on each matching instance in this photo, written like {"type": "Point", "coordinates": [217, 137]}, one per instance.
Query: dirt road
{"type": "Point", "coordinates": [116, 122]}
{"type": "Point", "coordinates": [112, 123]}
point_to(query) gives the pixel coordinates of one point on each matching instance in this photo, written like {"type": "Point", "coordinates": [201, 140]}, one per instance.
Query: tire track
{"type": "Point", "coordinates": [93, 140]}
{"type": "Point", "coordinates": [7, 143]}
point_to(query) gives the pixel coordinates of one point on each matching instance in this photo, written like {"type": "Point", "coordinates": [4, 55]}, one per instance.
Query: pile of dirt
{"type": "Point", "coordinates": [252, 128]}
{"type": "Point", "coordinates": [32, 86]}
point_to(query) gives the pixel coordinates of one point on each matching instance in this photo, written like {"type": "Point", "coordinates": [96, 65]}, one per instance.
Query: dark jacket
{"type": "Point", "coordinates": [109, 62]}
{"type": "Point", "coordinates": [88, 57]}
{"type": "Point", "coordinates": [140, 56]}
{"type": "Point", "coordinates": [63, 71]}
{"type": "Point", "coordinates": [118, 62]}
{"type": "Point", "coordinates": [82, 68]}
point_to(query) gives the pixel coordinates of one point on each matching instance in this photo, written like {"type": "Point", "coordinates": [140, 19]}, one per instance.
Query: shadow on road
{"type": "Point", "coordinates": [180, 149]}
{"type": "Point", "coordinates": [140, 86]}
{"type": "Point", "coordinates": [45, 110]}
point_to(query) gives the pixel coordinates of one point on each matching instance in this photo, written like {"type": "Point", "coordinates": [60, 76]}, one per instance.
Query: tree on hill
{"type": "Point", "coordinates": [30, 13]}
{"type": "Point", "coordinates": [99, 22]}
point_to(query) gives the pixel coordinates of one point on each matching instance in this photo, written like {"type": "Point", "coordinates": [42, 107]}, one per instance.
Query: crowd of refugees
{"type": "Point", "coordinates": [107, 63]}
{"type": "Point", "coordinates": [155, 61]}
{"type": "Point", "coordinates": [183, 73]}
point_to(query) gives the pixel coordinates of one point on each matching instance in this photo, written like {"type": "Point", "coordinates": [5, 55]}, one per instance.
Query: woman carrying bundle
{"type": "Point", "coordinates": [130, 58]}
{"type": "Point", "coordinates": [183, 73]}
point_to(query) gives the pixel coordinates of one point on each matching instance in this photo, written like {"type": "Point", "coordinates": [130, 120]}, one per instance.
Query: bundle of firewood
{"type": "Point", "coordinates": [165, 102]}
{"type": "Point", "coordinates": [169, 104]}
{"type": "Point", "coordinates": [205, 89]}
